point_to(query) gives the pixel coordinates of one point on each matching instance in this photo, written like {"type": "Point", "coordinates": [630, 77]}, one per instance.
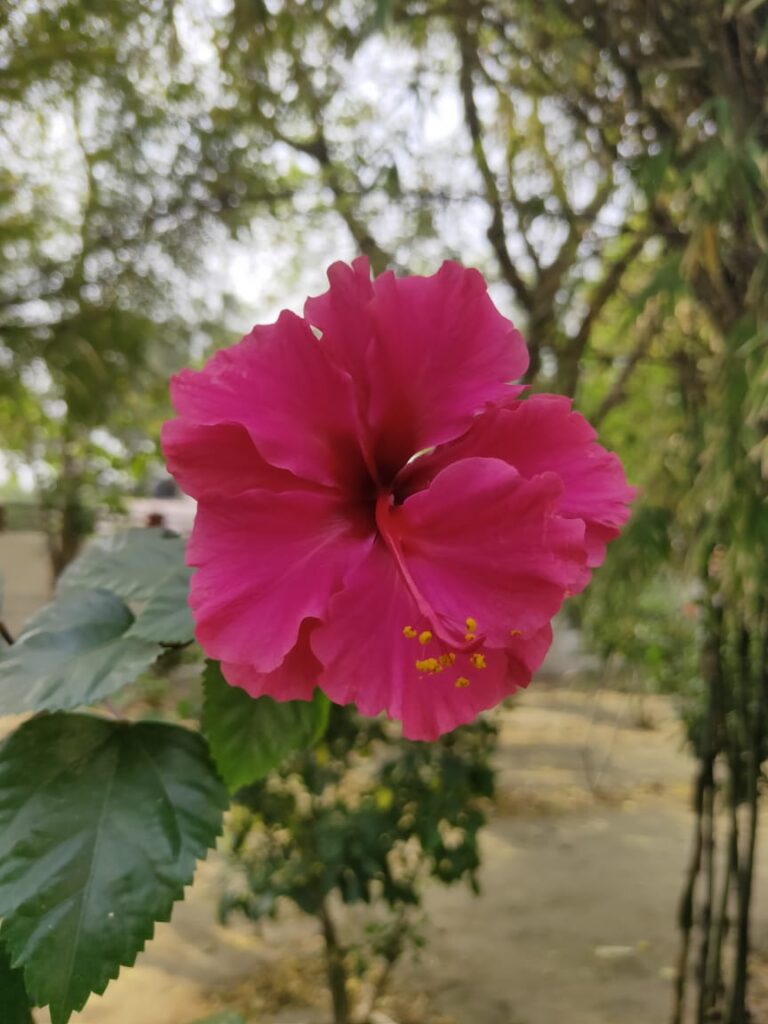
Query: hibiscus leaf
{"type": "Point", "coordinates": [145, 566]}
{"type": "Point", "coordinates": [166, 617]}
{"type": "Point", "coordinates": [101, 824]}
{"type": "Point", "coordinates": [74, 651]}
{"type": "Point", "coordinates": [14, 1001]}
{"type": "Point", "coordinates": [249, 736]}
{"type": "Point", "coordinates": [131, 563]}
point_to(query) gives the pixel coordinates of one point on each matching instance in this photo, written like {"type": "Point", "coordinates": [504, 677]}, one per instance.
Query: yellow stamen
{"type": "Point", "coordinates": [410, 632]}
{"type": "Point", "coordinates": [430, 665]}
{"type": "Point", "coordinates": [515, 632]}
{"type": "Point", "coordinates": [478, 660]}
{"type": "Point", "coordinates": [471, 625]}
{"type": "Point", "coordinates": [447, 659]}
{"type": "Point", "coordinates": [469, 637]}
{"type": "Point", "coordinates": [461, 682]}
{"type": "Point", "coordinates": [425, 637]}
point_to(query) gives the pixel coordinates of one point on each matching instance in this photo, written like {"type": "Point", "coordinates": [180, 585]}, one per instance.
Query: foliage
{"type": "Point", "coordinates": [144, 566]}
{"type": "Point", "coordinates": [14, 1002]}
{"type": "Point", "coordinates": [361, 818]}
{"type": "Point", "coordinates": [303, 123]}
{"type": "Point", "coordinates": [249, 736]}
{"type": "Point", "coordinates": [105, 213]}
{"type": "Point", "coordinates": [77, 650]}
{"type": "Point", "coordinates": [686, 114]}
{"type": "Point", "coordinates": [99, 836]}
{"type": "Point", "coordinates": [119, 813]}
{"type": "Point", "coordinates": [642, 610]}
{"type": "Point", "coordinates": [651, 632]}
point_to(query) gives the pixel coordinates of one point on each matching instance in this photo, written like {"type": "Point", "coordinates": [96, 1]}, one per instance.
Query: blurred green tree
{"type": "Point", "coordinates": [677, 91]}
{"type": "Point", "coordinates": [425, 139]}
{"type": "Point", "coordinates": [106, 210]}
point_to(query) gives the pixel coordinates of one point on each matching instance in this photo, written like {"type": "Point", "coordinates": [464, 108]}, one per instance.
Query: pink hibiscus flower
{"type": "Point", "coordinates": [380, 511]}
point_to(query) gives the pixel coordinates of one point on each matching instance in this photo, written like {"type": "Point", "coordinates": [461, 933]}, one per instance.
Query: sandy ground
{"type": "Point", "coordinates": [26, 576]}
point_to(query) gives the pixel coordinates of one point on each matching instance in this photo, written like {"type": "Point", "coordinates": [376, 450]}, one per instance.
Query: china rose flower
{"type": "Point", "coordinates": [381, 512]}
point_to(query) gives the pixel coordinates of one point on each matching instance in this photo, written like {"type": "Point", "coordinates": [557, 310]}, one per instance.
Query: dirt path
{"type": "Point", "coordinates": [582, 869]}
{"type": "Point", "coordinates": [26, 576]}
{"type": "Point", "coordinates": [575, 922]}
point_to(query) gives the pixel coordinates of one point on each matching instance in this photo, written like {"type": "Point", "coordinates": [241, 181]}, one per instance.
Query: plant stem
{"type": "Point", "coordinates": [337, 973]}
{"type": "Point", "coordinates": [708, 858]}
{"type": "Point", "coordinates": [754, 722]}
{"type": "Point", "coordinates": [685, 911]}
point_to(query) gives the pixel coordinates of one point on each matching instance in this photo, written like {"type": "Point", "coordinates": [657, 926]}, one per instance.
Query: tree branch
{"type": "Point", "coordinates": [496, 231]}
{"type": "Point", "coordinates": [604, 291]}
{"type": "Point", "coordinates": [321, 151]}
{"type": "Point", "coordinates": [618, 391]}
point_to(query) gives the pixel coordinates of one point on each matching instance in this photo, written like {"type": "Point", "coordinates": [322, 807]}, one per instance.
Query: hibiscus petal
{"type": "Point", "coordinates": [543, 434]}
{"type": "Point", "coordinates": [294, 679]}
{"type": "Point", "coordinates": [426, 352]}
{"type": "Point", "coordinates": [368, 661]}
{"type": "Point", "coordinates": [298, 407]}
{"type": "Point", "coordinates": [484, 543]}
{"type": "Point", "coordinates": [265, 563]}
{"type": "Point", "coordinates": [219, 459]}
{"type": "Point", "coordinates": [341, 315]}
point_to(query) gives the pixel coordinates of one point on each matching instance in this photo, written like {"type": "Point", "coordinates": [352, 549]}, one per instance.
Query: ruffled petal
{"type": "Point", "coordinates": [265, 563]}
{"type": "Point", "coordinates": [483, 543]}
{"type": "Point", "coordinates": [297, 406]}
{"type": "Point", "coordinates": [220, 459]}
{"type": "Point", "coordinates": [368, 661]}
{"type": "Point", "coordinates": [426, 353]}
{"type": "Point", "coordinates": [341, 314]}
{"type": "Point", "coordinates": [295, 679]}
{"type": "Point", "coordinates": [543, 434]}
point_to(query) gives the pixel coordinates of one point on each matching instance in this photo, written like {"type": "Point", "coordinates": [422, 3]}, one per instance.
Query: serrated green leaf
{"type": "Point", "coordinates": [101, 824]}
{"type": "Point", "coordinates": [74, 651]}
{"type": "Point", "coordinates": [14, 1001]}
{"type": "Point", "coordinates": [249, 736]}
{"type": "Point", "coordinates": [166, 617]}
{"type": "Point", "coordinates": [132, 563]}
{"type": "Point", "coordinates": [145, 566]}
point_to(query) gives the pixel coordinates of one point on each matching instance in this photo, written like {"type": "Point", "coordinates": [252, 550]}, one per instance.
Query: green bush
{"type": "Point", "coordinates": [362, 818]}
